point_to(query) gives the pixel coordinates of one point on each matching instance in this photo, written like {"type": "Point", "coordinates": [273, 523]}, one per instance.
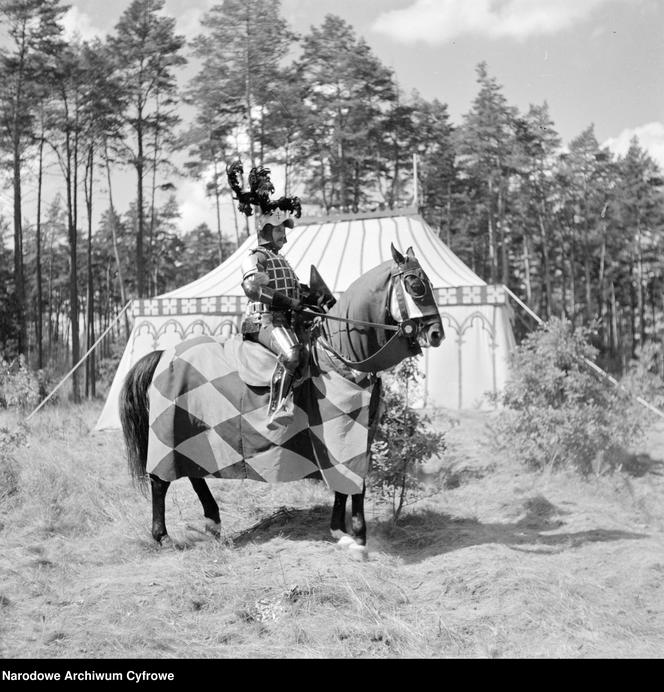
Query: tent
{"type": "Point", "coordinates": [477, 319]}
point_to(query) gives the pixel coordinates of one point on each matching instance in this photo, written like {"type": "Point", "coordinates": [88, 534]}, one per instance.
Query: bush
{"type": "Point", "coordinates": [644, 374]}
{"type": "Point", "coordinates": [557, 411]}
{"type": "Point", "coordinates": [9, 476]}
{"type": "Point", "coordinates": [404, 439]}
{"type": "Point", "coordinates": [20, 387]}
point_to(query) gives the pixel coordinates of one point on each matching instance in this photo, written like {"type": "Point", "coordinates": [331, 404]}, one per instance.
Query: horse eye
{"type": "Point", "coordinates": [415, 286]}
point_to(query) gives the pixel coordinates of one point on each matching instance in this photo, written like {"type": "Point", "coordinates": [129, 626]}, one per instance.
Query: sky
{"type": "Point", "coordinates": [596, 62]}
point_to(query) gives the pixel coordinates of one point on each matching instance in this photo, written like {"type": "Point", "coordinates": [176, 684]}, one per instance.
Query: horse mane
{"type": "Point", "coordinates": [365, 299]}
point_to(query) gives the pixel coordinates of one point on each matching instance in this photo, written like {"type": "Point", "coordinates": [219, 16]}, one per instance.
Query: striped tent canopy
{"type": "Point", "coordinates": [471, 361]}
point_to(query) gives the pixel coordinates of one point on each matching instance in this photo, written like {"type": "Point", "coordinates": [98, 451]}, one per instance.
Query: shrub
{"type": "Point", "coordinates": [404, 439]}
{"type": "Point", "coordinates": [19, 386]}
{"type": "Point", "coordinates": [644, 374]}
{"type": "Point", "coordinates": [9, 476]}
{"type": "Point", "coordinates": [557, 412]}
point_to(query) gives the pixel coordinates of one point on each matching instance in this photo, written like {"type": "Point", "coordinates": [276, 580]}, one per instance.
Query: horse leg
{"type": "Point", "coordinates": [210, 506]}
{"type": "Point", "coordinates": [338, 521]}
{"type": "Point", "coordinates": [357, 517]}
{"type": "Point", "coordinates": [159, 489]}
{"type": "Point", "coordinates": [358, 547]}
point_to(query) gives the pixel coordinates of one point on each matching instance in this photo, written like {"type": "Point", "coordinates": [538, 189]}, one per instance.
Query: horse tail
{"type": "Point", "coordinates": [134, 412]}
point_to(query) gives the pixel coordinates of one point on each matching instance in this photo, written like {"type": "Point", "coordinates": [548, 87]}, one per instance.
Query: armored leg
{"type": "Point", "coordinates": [291, 359]}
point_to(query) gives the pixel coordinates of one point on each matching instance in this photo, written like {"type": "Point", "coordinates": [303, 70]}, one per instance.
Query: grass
{"type": "Point", "coordinates": [496, 562]}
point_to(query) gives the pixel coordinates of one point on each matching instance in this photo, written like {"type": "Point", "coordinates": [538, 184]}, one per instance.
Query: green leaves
{"type": "Point", "coordinates": [556, 412]}
{"type": "Point", "coordinates": [404, 440]}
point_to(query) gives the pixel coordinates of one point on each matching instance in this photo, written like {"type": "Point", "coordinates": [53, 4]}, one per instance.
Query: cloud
{"type": "Point", "coordinates": [77, 23]}
{"type": "Point", "coordinates": [438, 21]}
{"type": "Point", "coordinates": [195, 208]}
{"type": "Point", "coordinates": [189, 23]}
{"type": "Point", "coordinates": [650, 136]}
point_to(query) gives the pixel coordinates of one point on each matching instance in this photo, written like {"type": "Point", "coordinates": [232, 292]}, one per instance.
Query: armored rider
{"type": "Point", "coordinates": [274, 291]}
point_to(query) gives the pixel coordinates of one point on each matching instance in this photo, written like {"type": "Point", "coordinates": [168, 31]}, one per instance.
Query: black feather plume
{"type": "Point", "coordinates": [260, 189]}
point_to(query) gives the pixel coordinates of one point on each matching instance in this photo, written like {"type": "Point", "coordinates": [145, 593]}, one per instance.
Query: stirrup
{"type": "Point", "coordinates": [283, 414]}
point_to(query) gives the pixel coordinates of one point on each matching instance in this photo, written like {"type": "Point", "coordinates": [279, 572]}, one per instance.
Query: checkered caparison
{"type": "Point", "coordinates": [209, 412]}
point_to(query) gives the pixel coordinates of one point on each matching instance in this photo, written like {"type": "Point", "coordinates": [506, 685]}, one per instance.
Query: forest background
{"type": "Point", "coordinates": [572, 228]}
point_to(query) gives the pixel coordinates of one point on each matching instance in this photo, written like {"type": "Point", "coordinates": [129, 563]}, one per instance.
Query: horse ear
{"type": "Point", "coordinates": [397, 256]}
{"type": "Point", "coordinates": [410, 253]}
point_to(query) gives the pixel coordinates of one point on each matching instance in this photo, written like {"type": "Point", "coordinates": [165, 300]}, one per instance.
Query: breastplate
{"type": "Point", "coordinates": [282, 278]}
{"type": "Point", "coordinates": [280, 273]}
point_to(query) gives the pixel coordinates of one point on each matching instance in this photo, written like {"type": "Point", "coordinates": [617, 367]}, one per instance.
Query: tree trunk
{"type": "Point", "coordinates": [572, 278]}
{"type": "Point", "coordinates": [491, 239]}
{"type": "Point", "coordinates": [526, 269]}
{"type": "Point", "coordinates": [546, 263]}
{"type": "Point", "coordinates": [73, 270]}
{"type": "Point", "coordinates": [19, 278]}
{"type": "Point", "coordinates": [613, 348]}
{"type": "Point", "coordinates": [247, 90]}
{"type": "Point", "coordinates": [504, 257]}
{"type": "Point", "coordinates": [639, 282]}
{"type": "Point", "coordinates": [140, 231]}
{"type": "Point", "coordinates": [149, 260]}
{"type": "Point", "coordinates": [116, 252]}
{"type": "Point", "coordinates": [40, 297]}
{"type": "Point", "coordinates": [90, 378]}
{"type": "Point", "coordinates": [217, 203]}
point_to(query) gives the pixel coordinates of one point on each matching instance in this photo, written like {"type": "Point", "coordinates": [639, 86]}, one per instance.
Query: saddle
{"type": "Point", "coordinates": [256, 365]}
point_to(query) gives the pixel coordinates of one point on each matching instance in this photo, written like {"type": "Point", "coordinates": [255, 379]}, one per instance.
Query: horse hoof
{"type": "Point", "coordinates": [213, 527]}
{"type": "Point", "coordinates": [166, 543]}
{"type": "Point", "coordinates": [358, 552]}
{"type": "Point", "coordinates": [346, 541]}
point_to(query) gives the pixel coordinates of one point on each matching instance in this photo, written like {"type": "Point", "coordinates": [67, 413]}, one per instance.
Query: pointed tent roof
{"type": "Point", "coordinates": [343, 248]}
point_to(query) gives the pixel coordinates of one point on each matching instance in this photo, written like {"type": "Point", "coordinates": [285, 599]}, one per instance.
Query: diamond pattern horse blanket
{"type": "Point", "coordinates": [208, 418]}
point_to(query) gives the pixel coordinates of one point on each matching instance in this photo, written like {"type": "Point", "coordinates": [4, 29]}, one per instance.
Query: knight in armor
{"type": "Point", "coordinates": [274, 291]}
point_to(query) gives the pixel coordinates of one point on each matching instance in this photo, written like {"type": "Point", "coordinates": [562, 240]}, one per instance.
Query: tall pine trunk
{"type": "Point", "coordinates": [140, 231]}
{"type": "Point", "coordinates": [73, 268]}
{"type": "Point", "coordinates": [114, 234]}
{"type": "Point", "coordinates": [19, 277]}
{"type": "Point", "coordinates": [90, 375]}
{"type": "Point", "coordinates": [40, 297]}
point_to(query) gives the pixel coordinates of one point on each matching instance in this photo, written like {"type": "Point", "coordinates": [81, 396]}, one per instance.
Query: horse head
{"type": "Point", "coordinates": [412, 302]}
{"type": "Point", "coordinates": [386, 315]}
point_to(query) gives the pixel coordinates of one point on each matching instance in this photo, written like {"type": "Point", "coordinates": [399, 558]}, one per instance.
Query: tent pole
{"type": "Point", "coordinates": [587, 361]}
{"type": "Point", "coordinates": [90, 350]}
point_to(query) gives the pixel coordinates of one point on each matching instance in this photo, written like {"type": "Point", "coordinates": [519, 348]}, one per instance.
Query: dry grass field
{"type": "Point", "coordinates": [496, 562]}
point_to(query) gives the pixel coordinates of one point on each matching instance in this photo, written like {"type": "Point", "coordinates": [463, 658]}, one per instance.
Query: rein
{"type": "Point", "coordinates": [394, 348]}
{"type": "Point", "coordinates": [390, 327]}
{"type": "Point", "coordinates": [373, 362]}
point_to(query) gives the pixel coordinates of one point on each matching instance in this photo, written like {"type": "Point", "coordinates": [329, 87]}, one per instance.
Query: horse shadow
{"type": "Point", "coordinates": [639, 465]}
{"type": "Point", "coordinates": [429, 533]}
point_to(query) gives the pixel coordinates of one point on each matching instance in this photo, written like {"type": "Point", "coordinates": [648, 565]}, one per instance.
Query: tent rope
{"type": "Point", "coordinates": [90, 350]}
{"type": "Point", "coordinates": [587, 361]}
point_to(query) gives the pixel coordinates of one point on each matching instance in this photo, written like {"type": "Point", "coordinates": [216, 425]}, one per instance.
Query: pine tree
{"type": "Point", "coordinates": [147, 51]}
{"type": "Point", "coordinates": [348, 90]}
{"type": "Point", "coordinates": [535, 154]}
{"type": "Point", "coordinates": [33, 36]}
{"type": "Point", "coordinates": [485, 142]}
{"type": "Point", "coordinates": [241, 53]}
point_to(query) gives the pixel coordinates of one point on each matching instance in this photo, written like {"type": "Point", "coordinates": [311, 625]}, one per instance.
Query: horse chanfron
{"type": "Point", "coordinates": [413, 300]}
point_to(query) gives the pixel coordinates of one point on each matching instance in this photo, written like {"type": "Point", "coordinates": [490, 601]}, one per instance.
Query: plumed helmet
{"type": "Point", "coordinates": [256, 201]}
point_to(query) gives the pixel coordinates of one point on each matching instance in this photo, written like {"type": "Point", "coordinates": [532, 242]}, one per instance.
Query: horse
{"type": "Point", "coordinates": [384, 316]}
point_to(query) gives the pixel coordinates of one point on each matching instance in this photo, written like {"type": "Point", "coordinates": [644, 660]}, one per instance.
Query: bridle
{"type": "Point", "coordinates": [407, 281]}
